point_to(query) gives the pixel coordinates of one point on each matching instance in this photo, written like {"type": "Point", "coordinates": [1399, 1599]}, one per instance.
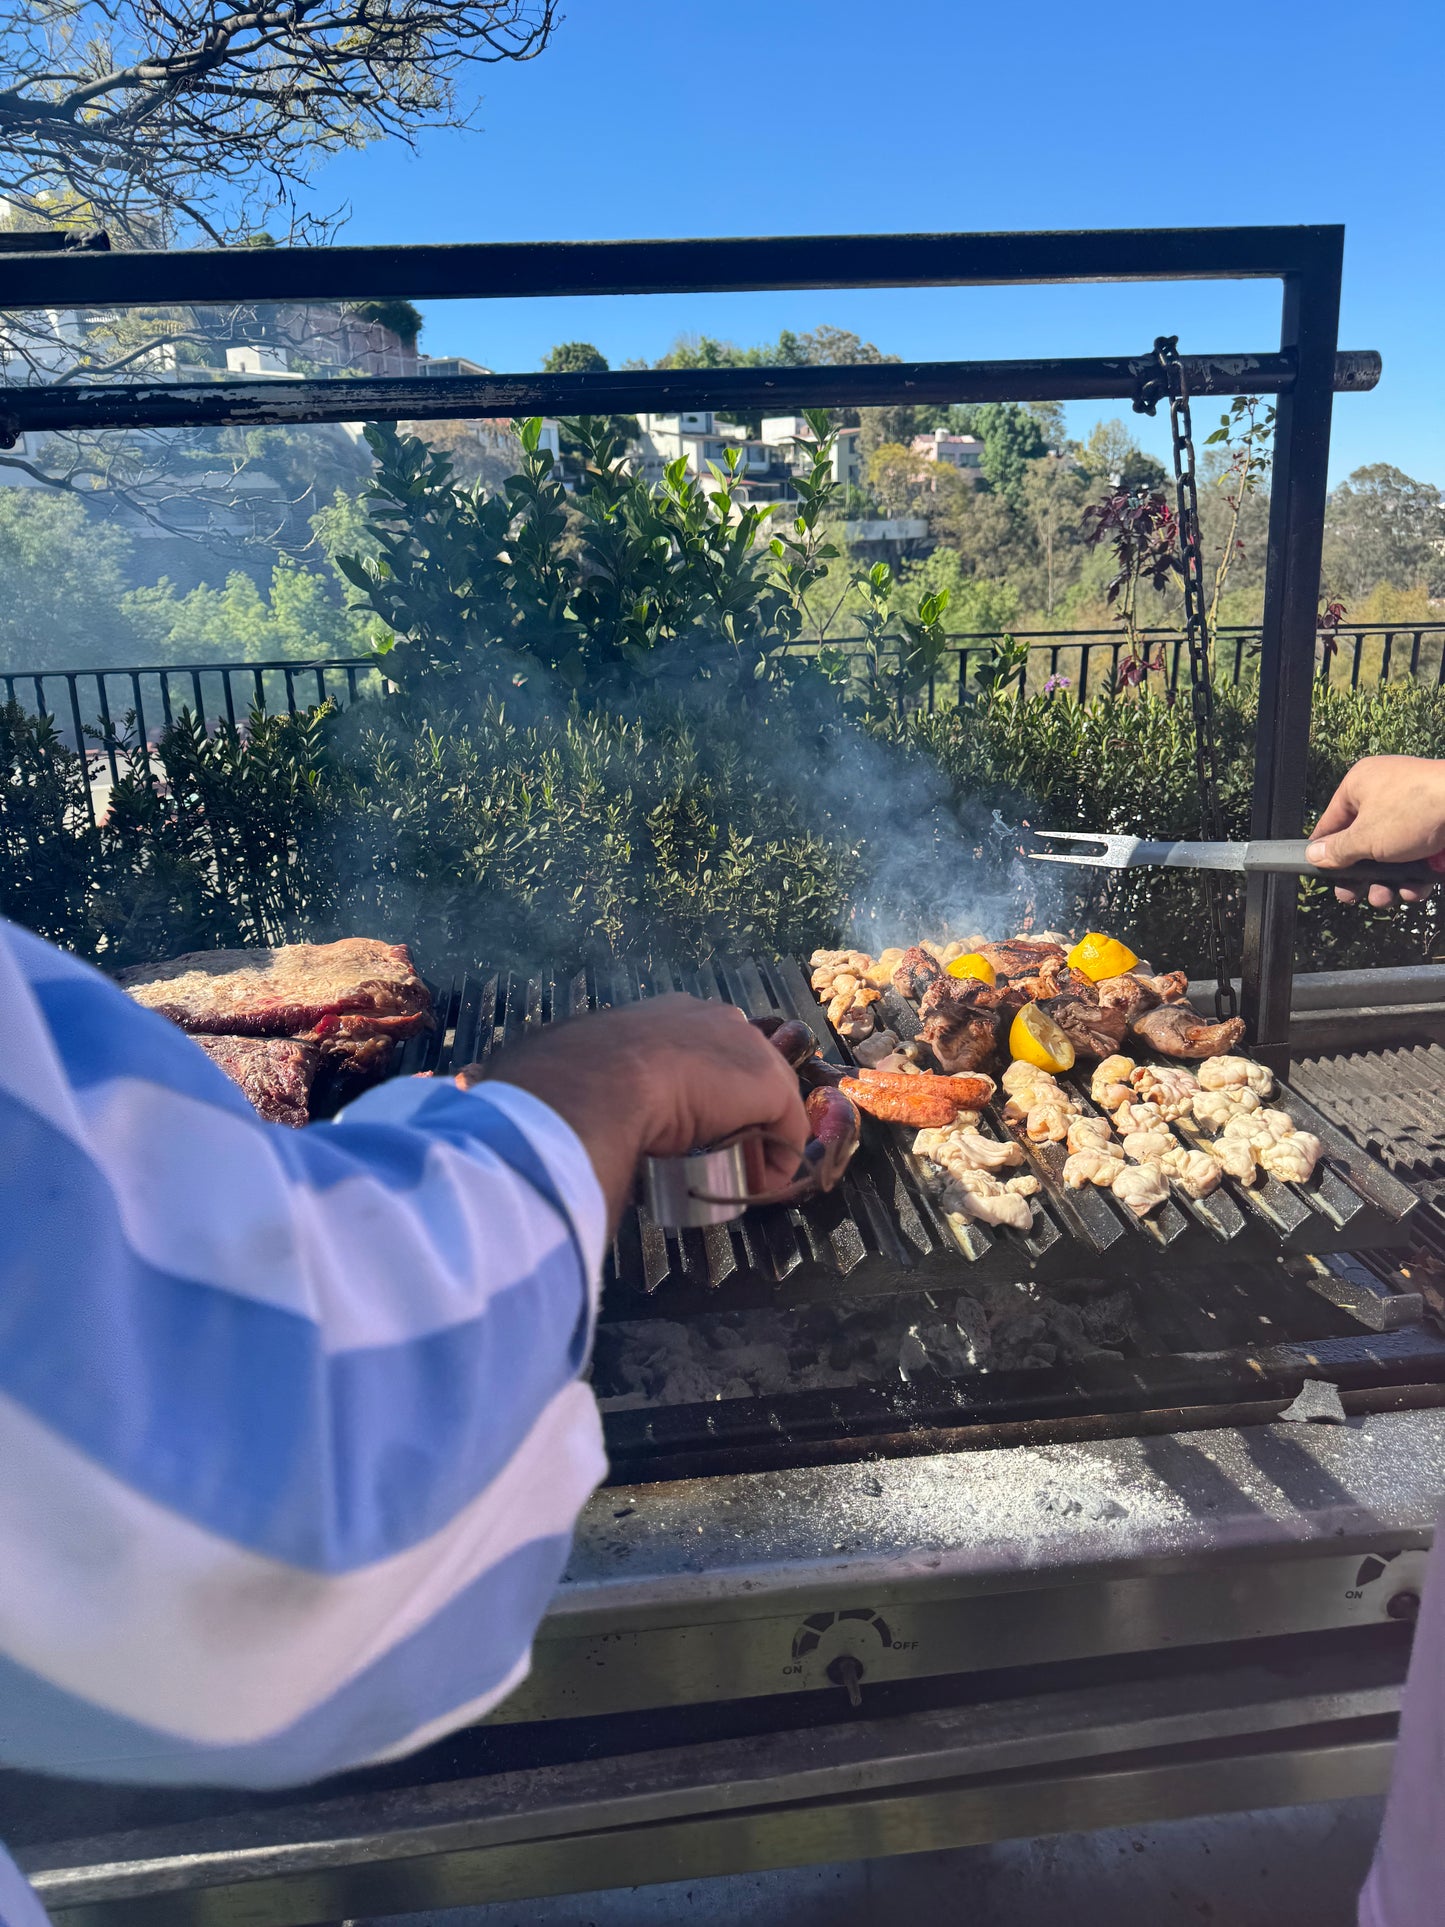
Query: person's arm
{"type": "Point", "coordinates": [1388, 809]}
{"type": "Point", "coordinates": [291, 1435]}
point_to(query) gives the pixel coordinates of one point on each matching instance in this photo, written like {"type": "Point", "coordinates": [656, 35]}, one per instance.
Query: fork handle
{"type": "Point", "coordinates": [1285, 856]}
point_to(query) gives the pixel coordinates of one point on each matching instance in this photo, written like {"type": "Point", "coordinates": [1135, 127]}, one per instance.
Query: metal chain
{"type": "Point", "coordinates": [1172, 380]}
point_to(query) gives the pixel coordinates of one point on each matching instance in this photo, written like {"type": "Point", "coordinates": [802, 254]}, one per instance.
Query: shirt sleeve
{"type": "Point", "coordinates": [292, 1438]}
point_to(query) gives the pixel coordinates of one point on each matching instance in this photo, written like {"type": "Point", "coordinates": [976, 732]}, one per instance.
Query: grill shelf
{"type": "Point", "coordinates": [880, 1231]}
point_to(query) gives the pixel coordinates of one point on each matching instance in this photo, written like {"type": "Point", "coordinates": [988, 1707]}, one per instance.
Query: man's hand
{"type": "Point", "coordinates": [1389, 809]}
{"type": "Point", "coordinates": [658, 1079]}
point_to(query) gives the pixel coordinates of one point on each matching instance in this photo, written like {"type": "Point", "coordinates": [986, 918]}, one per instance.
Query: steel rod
{"type": "Point", "coordinates": [507, 270]}
{"type": "Point", "coordinates": [42, 410]}
{"type": "Point", "coordinates": [1309, 327]}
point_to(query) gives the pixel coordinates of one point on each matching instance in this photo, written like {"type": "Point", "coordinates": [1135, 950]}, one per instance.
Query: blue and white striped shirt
{"type": "Point", "coordinates": [291, 1435]}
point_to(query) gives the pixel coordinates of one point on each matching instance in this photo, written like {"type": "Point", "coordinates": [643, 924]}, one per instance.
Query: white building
{"type": "Point", "coordinates": [791, 433]}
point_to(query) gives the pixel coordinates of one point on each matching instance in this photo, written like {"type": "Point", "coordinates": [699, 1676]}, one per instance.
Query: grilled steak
{"type": "Point", "coordinates": [352, 998]}
{"type": "Point", "coordinates": [274, 1072]}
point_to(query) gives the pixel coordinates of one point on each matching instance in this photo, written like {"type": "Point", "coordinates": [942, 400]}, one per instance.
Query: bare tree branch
{"type": "Point", "coordinates": [171, 121]}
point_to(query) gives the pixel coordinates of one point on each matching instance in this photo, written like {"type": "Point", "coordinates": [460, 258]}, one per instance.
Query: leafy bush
{"type": "Point", "coordinates": [599, 746]}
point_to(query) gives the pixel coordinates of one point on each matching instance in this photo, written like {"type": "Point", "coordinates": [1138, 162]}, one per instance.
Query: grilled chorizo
{"type": "Point", "coordinates": [795, 1040]}
{"type": "Point", "coordinates": [835, 1129]}
{"type": "Point", "coordinates": [969, 1088]}
{"type": "Point", "coordinates": [905, 1102]}
{"type": "Point", "coordinates": [814, 1073]}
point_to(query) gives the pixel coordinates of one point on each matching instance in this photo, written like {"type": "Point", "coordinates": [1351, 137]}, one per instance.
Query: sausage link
{"type": "Point", "coordinates": [924, 1108]}
{"type": "Point", "coordinates": [835, 1129]}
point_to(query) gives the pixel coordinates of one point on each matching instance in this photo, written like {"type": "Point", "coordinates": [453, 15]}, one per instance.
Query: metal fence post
{"type": "Point", "coordinates": [1309, 326]}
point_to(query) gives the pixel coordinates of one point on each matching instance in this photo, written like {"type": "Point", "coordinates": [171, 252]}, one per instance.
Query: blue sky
{"type": "Point", "coordinates": [669, 117]}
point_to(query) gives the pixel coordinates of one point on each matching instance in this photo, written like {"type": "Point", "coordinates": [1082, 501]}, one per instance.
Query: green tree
{"type": "Point", "coordinates": [575, 358]}
{"type": "Point", "coordinates": [65, 577]}
{"type": "Point", "coordinates": [1111, 455]}
{"type": "Point", "coordinates": [402, 317]}
{"type": "Point", "coordinates": [581, 358]}
{"type": "Point", "coordinates": [1382, 525]}
{"type": "Point", "coordinates": [1054, 493]}
{"type": "Point", "coordinates": [300, 617]}
{"type": "Point", "coordinates": [1012, 437]}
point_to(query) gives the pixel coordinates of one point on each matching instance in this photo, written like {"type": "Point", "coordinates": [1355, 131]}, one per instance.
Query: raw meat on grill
{"type": "Point", "coordinates": [353, 999]}
{"type": "Point", "coordinates": [283, 992]}
{"type": "Point", "coordinates": [275, 1072]}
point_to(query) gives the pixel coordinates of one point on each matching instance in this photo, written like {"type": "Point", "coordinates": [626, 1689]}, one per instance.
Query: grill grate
{"type": "Point", "coordinates": [1392, 1102]}
{"type": "Point", "coordinates": [881, 1231]}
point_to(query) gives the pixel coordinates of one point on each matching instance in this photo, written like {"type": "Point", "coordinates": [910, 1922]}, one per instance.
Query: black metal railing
{"type": "Point", "coordinates": [102, 710]}
{"type": "Point", "coordinates": [111, 714]}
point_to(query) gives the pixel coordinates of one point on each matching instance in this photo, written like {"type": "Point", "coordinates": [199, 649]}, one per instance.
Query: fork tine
{"type": "Point", "coordinates": [1101, 862]}
{"type": "Point", "coordinates": [1110, 852]}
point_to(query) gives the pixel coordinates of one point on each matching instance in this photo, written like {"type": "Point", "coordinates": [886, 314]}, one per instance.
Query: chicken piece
{"type": "Point", "coordinates": [1148, 1147]}
{"type": "Point", "coordinates": [829, 960]}
{"type": "Point", "coordinates": [896, 1061]}
{"type": "Point", "coordinates": [914, 972]}
{"type": "Point", "coordinates": [1090, 1134]}
{"type": "Point", "coordinates": [1177, 1030]}
{"type": "Point", "coordinates": [1214, 1109]}
{"type": "Point", "coordinates": [1136, 1116]}
{"type": "Point", "coordinates": [1025, 1185]}
{"type": "Point", "coordinates": [1130, 994]}
{"type": "Point", "coordinates": [1110, 1086]}
{"type": "Point", "coordinates": [1092, 1029]}
{"type": "Point", "coordinates": [1169, 989]}
{"type": "Point", "coordinates": [1044, 981]}
{"type": "Point", "coordinates": [1236, 1073]}
{"type": "Point", "coordinates": [1235, 1157]}
{"type": "Point", "coordinates": [1020, 956]}
{"type": "Point", "coordinates": [961, 1043]}
{"type": "Point", "coordinates": [1140, 1188]}
{"type": "Point", "coordinates": [957, 996]}
{"type": "Point", "coordinates": [1168, 1088]}
{"type": "Point", "coordinates": [1261, 1128]}
{"type": "Point", "coordinates": [1048, 1123]}
{"type": "Point", "coordinates": [1092, 1166]}
{"type": "Point", "coordinates": [872, 1050]}
{"type": "Point", "coordinates": [1196, 1172]}
{"type": "Point", "coordinates": [1293, 1158]}
{"type": "Point", "coordinates": [978, 1196]}
{"type": "Point", "coordinates": [1021, 1075]}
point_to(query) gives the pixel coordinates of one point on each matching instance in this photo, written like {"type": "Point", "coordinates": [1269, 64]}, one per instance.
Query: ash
{"type": "Point", "coordinates": [759, 1354]}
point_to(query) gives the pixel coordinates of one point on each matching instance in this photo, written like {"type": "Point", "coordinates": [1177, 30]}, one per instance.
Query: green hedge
{"type": "Point", "coordinates": [674, 829]}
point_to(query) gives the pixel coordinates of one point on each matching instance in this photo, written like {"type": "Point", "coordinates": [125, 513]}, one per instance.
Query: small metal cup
{"type": "Point", "coordinates": [710, 1186]}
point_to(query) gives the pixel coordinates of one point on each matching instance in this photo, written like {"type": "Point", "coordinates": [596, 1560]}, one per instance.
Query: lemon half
{"type": "Point", "coordinates": [1098, 956]}
{"type": "Point", "coordinates": [1037, 1039]}
{"type": "Point", "coordinates": [972, 965]}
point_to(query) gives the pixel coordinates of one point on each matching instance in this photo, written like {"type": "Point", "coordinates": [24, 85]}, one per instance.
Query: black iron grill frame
{"type": "Point", "coordinates": [1306, 260]}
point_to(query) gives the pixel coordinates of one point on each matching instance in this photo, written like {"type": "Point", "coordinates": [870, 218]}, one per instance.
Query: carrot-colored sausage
{"type": "Point", "coordinates": [915, 1103]}
{"type": "Point", "coordinates": [970, 1089]}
